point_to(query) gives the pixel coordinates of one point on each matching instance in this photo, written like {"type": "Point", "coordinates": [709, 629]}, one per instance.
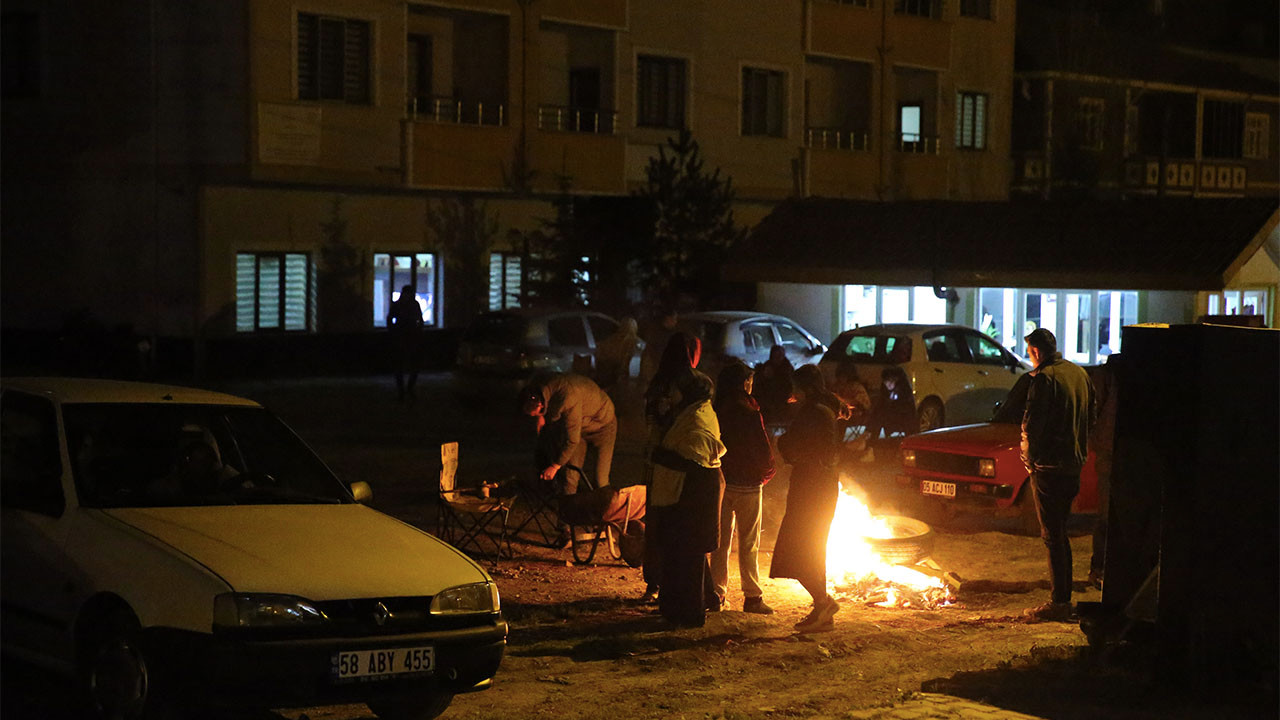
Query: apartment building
{"type": "Point", "coordinates": [261, 167]}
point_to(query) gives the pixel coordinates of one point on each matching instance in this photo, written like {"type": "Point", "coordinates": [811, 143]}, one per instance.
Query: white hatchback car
{"type": "Point", "coordinates": [749, 337]}
{"type": "Point", "coordinates": [957, 374]}
{"type": "Point", "coordinates": [173, 546]}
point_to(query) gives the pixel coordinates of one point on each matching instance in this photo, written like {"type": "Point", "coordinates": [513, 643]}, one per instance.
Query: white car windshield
{"type": "Point", "coordinates": [873, 348]}
{"type": "Point", "coordinates": [159, 455]}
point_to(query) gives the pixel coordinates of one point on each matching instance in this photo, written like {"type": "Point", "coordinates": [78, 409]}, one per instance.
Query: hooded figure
{"type": "Point", "coordinates": [686, 493]}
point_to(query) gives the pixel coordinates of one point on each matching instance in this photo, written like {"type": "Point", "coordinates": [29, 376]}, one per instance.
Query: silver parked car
{"type": "Point", "coordinates": [749, 336]}
{"type": "Point", "coordinates": [501, 349]}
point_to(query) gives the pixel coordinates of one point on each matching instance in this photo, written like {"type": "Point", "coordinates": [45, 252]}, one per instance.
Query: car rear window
{"type": "Point", "coordinates": [497, 329]}
{"type": "Point", "coordinates": [893, 349]}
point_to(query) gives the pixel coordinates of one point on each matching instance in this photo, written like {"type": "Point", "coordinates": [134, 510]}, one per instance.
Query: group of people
{"type": "Point", "coordinates": [708, 461]}
{"type": "Point", "coordinates": [710, 456]}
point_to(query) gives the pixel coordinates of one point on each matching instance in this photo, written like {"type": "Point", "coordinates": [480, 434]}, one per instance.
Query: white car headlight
{"type": "Point", "coordinates": [467, 599]}
{"type": "Point", "coordinates": [255, 611]}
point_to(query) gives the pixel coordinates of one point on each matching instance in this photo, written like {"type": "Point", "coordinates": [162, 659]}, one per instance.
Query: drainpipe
{"type": "Point", "coordinates": [881, 190]}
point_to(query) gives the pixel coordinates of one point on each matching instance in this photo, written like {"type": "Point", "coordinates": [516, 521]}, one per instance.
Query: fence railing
{"type": "Point", "coordinates": [450, 110]}
{"type": "Point", "coordinates": [570, 119]}
{"type": "Point", "coordinates": [837, 139]}
{"type": "Point", "coordinates": [916, 143]}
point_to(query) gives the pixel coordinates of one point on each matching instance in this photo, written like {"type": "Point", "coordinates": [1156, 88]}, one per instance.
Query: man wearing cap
{"type": "Point", "coordinates": [1056, 423]}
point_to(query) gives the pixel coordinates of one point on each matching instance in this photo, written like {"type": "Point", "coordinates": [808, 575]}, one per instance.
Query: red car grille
{"type": "Point", "coordinates": [946, 463]}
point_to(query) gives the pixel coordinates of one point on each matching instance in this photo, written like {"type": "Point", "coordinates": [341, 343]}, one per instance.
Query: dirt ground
{"type": "Point", "coordinates": [581, 645]}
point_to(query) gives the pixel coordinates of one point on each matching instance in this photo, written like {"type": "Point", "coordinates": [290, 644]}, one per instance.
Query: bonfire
{"type": "Point", "coordinates": [858, 572]}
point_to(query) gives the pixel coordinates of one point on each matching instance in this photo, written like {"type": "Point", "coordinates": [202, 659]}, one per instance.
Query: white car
{"type": "Point", "coordinates": [173, 546]}
{"type": "Point", "coordinates": [749, 336]}
{"type": "Point", "coordinates": [957, 374]}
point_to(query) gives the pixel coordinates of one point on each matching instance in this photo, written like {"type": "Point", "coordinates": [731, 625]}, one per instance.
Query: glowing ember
{"type": "Point", "coordinates": [856, 571]}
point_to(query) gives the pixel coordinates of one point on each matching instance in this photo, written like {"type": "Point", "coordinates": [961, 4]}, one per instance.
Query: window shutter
{"type": "Point", "coordinates": [308, 57]}
{"type": "Point", "coordinates": [332, 46]}
{"type": "Point", "coordinates": [295, 291]}
{"type": "Point", "coordinates": [979, 121]}
{"type": "Point", "coordinates": [246, 265]}
{"type": "Point", "coordinates": [355, 65]}
{"type": "Point", "coordinates": [268, 292]}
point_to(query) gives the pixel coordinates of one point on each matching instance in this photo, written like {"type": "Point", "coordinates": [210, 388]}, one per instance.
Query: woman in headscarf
{"type": "Point", "coordinates": [679, 358]}
{"type": "Point", "coordinates": [686, 491]}
{"type": "Point", "coordinates": [811, 447]}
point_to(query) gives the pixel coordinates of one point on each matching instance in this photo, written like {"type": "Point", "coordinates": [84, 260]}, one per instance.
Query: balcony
{"type": "Point", "coordinates": [837, 139]}
{"type": "Point", "coordinates": [450, 110]}
{"type": "Point", "coordinates": [918, 144]}
{"type": "Point", "coordinates": [463, 153]}
{"type": "Point", "coordinates": [840, 173]}
{"type": "Point", "coordinates": [602, 13]}
{"type": "Point", "coordinates": [1185, 175]}
{"type": "Point", "coordinates": [837, 28]}
{"type": "Point", "coordinates": [556, 118]}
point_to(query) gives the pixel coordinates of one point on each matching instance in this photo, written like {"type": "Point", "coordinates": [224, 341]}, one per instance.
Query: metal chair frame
{"type": "Point", "coordinates": [466, 518]}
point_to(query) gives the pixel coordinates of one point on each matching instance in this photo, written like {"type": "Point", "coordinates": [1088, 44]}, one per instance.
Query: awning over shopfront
{"type": "Point", "coordinates": [1138, 244]}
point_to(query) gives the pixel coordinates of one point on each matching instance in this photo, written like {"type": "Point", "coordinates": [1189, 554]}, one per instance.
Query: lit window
{"type": "Point", "coordinates": [971, 121]}
{"type": "Point", "coordinates": [763, 102]}
{"type": "Point", "coordinates": [391, 272]}
{"type": "Point", "coordinates": [1257, 135]}
{"type": "Point", "coordinates": [333, 59]}
{"type": "Point", "coordinates": [504, 280]}
{"type": "Point", "coordinates": [909, 123]}
{"type": "Point", "coordinates": [273, 291]}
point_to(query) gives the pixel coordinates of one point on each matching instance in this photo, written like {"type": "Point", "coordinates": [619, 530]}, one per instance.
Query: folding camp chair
{"type": "Point", "coordinates": [539, 497]}
{"type": "Point", "coordinates": [468, 518]}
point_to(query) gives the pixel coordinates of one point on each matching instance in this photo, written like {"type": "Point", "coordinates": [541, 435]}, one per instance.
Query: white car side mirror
{"type": "Point", "coordinates": [361, 491]}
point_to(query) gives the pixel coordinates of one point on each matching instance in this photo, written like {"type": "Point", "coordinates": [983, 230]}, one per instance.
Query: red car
{"type": "Point", "coordinates": [978, 467]}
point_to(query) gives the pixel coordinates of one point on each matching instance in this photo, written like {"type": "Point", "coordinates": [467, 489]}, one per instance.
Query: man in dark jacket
{"type": "Point", "coordinates": [747, 465]}
{"type": "Point", "coordinates": [1055, 434]}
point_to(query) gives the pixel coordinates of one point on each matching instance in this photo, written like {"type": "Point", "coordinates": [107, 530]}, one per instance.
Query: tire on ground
{"type": "Point", "coordinates": [912, 541]}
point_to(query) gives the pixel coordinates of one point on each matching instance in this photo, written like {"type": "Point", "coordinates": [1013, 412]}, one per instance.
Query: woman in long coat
{"type": "Point", "coordinates": [679, 358]}
{"type": "Point", "coordinates": [687, 490]}
{"type": "Point", "coordinates": [811, 447]}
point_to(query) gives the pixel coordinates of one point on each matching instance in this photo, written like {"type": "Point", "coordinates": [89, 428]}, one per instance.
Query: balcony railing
{"type": "Point", "coordinates": [837, 139]}
{"type": "Point", "coordinates": [449, 110]}
{"type": "Point", "coordinates": [583, 120]}
{"type": "Point", "coordinates": [919, 144]}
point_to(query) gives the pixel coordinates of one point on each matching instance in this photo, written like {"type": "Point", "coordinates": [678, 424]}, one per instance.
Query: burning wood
{"type": "Point", "coordinates": [860, 572]}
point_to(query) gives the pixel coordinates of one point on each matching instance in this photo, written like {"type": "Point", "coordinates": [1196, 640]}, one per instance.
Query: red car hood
{"type": "Point", "coordinates": [981, 439]}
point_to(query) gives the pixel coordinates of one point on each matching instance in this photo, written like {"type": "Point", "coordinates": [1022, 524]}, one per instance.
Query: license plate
{"type": "Point", "coordinates": [930, 487]}
{"type": "Point", "coordinates": [368, 664]}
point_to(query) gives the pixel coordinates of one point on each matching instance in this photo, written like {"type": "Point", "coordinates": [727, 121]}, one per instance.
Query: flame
{"type": "Point", "coordinates": [856, 570]}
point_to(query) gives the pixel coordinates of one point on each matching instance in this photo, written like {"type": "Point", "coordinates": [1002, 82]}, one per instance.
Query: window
{"type": "Point", "coordinates": [1257, 127]}
{"type": "Point", "coordinates": [504, 280]}
{"type": "Point", "coordinates": [976, 9]}
{"type": "Point", "coordinates": [333, 59]}
{"type": "Point", "coordinates": [567, 331]}
{"type": "Point", "coordinates": [870, 304]}
{"type": "Point", "coordinates": [274, 291]}
{"type": "Point", "coordinates": [792, 339]}
{"type": "Point", "coordinates": [971, 121]}
{"type": "Point", "coordinates": [983, 350]}
{"type": "Point", "coordinates": [391, 272]}
{"type": "Point", "coordinates": [943, 348]}
{"type": "Point", "coordinates": [909, 123]}
{"type": "Point", "coordinates": [757, 337]}
{"type": "Point", "coordinates": [601, 328]}
{"type": "Point", "coordinates": [1223, 129]}
{"type": "Point", "coordinates": [30, 462]}
{"type": "Point", "coordinates": [763, 102]}
{"type": "Point", "coordinates": [20, 48]}
{"type": "Point", "coordinates": [660, 91]}
{"type": "Point", "coordinates": [1090, 126]}
{"type": "Point", "coordinates": [919, 8]}
{"type": "Point", "coordinates": [418, 71]}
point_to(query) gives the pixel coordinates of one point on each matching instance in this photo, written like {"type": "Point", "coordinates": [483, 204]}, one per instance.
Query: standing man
{"type": "Point", "coordinates": [573, 413]}
{"type": "Point", "coordinates": [405, 325]}
{"type": "Point", "coordinates": [1055, 431]}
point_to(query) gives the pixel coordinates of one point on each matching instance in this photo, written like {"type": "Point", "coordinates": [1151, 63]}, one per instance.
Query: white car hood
{"type": "Point", "coordinates": [319, 552]}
